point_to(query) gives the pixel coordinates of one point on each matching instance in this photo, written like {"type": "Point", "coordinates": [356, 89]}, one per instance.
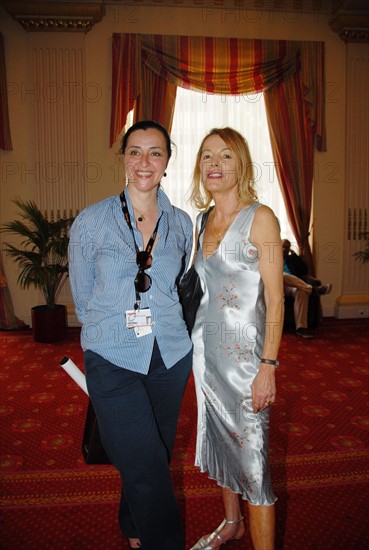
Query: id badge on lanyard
{"type": "Point", "coordinates": [140, 320]}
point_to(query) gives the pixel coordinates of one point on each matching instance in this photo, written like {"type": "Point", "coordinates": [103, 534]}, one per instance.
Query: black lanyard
{"type": "Point", "coordinates": [150, 242]}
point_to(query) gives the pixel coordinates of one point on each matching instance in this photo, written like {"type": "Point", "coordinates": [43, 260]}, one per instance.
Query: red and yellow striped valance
{"type": "Point", "coordinates": [147, 69]}
{"type": "Point", "coordinates": [218, 65]}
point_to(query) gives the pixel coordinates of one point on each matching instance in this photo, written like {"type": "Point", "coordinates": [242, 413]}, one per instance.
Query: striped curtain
{"type": "Point", "coordinates": [5, 138]}
{"type": "Point", "coordinates": [292, 141]}
{"type": "Point", "coordinates": [148, 68]}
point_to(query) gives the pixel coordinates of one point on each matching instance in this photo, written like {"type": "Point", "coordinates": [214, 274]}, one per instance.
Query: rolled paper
{"type": "Point", "coordinates": [74, 372]}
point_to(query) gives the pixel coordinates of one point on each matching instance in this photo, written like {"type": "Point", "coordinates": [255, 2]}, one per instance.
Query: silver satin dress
{"type": "Point", "coordinates": [232, 442]}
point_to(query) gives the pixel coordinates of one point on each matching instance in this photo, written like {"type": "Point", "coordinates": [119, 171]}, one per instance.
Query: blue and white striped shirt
{"type": "Point", "coordinates": [102, 269]}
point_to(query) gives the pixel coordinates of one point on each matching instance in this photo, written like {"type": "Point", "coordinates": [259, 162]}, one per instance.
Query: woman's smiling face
{"type": "Point", "coordinates": [145, 158]}
{"type": "Point", "coordinates": [218, 165]}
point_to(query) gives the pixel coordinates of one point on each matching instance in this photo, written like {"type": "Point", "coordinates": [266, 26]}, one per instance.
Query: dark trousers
{"type": "Point", "coordinates": [137, 416]}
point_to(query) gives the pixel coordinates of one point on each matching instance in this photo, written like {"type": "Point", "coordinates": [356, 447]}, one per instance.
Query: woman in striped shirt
{"type": "Point", "coordinates": [127, 254]}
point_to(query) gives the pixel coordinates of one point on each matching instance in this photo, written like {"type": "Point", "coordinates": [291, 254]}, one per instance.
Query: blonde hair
{"type": "Point", "coordinates": [200, 197]}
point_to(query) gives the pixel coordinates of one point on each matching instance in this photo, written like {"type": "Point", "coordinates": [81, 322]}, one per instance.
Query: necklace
{"type": "Point", "coordinates": [219, 235]}
{"type": "Point", "coordinates": [141, 217]}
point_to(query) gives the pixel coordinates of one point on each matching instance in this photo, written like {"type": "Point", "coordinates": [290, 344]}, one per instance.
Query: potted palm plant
{"type": "Point", "coordinates": [42, 259]}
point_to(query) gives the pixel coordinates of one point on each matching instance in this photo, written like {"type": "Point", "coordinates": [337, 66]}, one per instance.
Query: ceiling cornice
{"type": "Point", "coordinates": [348, 18]}
{"type": "Point", "coordinates": [52, 16]}
{"type": "Point", "coordinates": [351, 27]}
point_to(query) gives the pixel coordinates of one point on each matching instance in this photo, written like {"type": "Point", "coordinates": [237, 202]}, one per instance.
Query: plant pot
{"type": "Point", "coordinates": [49, 324]}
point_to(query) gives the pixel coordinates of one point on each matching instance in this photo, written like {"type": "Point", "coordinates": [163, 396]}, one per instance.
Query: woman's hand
{"type": "Point", "coordinates": [263, 390]}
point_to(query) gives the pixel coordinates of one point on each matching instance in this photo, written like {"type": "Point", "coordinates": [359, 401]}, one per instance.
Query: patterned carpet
{"type": "Point", "coordinates": [319, 449]}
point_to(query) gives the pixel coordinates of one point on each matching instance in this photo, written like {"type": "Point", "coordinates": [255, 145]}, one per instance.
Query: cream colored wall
{"type": "Point", "coordinates": [329, 188]}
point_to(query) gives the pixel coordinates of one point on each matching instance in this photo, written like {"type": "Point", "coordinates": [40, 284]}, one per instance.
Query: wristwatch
{"type": "Point", "coordinates": [274, 362]}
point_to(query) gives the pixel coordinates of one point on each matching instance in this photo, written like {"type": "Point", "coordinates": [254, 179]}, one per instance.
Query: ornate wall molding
{"type": "Point", "coordinates": [351, 27]}
{"type": "Point", "coordinates": [61, 16]}
{"type": "Point", "coordinates": [350, 20]}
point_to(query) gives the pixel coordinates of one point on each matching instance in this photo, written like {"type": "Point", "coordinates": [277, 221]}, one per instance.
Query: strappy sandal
{"type": "Point", "coordinates": [204, 542]}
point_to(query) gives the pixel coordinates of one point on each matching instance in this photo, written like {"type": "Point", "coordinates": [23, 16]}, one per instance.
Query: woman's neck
{"type": "Point", "coordinates": [224, 207]}
{"type": "Point", "coordinates": [144, 201]}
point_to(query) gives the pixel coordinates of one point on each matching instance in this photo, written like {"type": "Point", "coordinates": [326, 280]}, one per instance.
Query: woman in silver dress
{"type": "Point", "coordinates": [236, 336]}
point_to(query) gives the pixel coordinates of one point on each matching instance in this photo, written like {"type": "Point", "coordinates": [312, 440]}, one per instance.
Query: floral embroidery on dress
{"type": "Point", "coordinates": [236, 439]}
{"type": "Point", "coordinates": [253, 485]}
{"type": "Point", "coordinates": [235, 352]}
{"type": "Point", "coordinates": [244, 237]}
{"type": "Point", "coordinates": [228, 298]}
{"type": "Point", "coordinates": [250, 252]}
{"type": "Point", "coordinates": [233, 439]}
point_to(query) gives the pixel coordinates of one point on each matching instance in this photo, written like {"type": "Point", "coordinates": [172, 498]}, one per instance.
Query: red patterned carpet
{"type": "Point", "coordinates": [319, 450]}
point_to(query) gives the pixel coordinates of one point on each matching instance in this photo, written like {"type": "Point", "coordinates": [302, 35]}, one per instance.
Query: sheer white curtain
{"type": "Point", "coordinates": [196, 114]}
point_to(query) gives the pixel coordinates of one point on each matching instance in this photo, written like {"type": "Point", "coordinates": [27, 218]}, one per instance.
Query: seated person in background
{"type": "Point", "coordinates": [296, 283]}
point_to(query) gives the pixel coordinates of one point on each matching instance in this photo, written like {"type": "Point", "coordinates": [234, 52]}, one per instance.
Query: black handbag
{"type": "Point", "coordinates": [92, 448]}
{"type": "Point", "coordinates": [189, 287]}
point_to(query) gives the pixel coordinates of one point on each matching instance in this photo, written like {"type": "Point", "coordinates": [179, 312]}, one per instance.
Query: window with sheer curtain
{"type": "Point", "coordinates": [195, 114]}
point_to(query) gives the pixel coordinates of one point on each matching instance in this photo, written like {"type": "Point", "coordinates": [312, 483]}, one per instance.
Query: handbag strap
{"type": "Point", "coordinates": [202, 226]}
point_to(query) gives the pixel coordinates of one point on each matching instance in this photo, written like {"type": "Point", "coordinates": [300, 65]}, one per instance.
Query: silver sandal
{"type": "Point", "coordinates": [204, 542]}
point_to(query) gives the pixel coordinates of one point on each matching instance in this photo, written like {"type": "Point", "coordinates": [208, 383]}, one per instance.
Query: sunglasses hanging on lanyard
{"type": "Point", "coordinates": [142, 280]}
